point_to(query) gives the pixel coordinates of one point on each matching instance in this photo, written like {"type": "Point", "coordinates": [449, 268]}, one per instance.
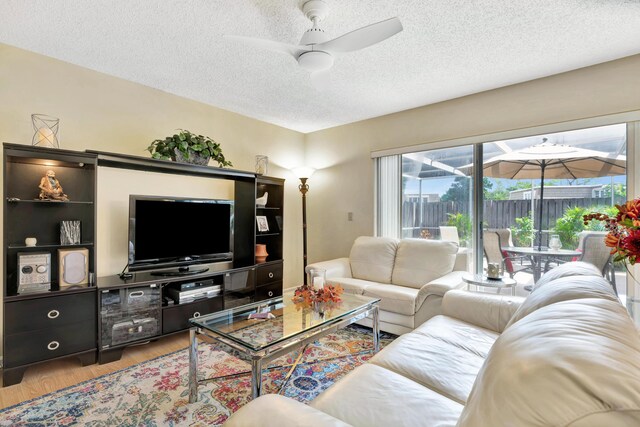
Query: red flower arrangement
{"type": "Point", "coordinates": [327, 296]}
{"type": "Point", "coordinates": [624, 231]}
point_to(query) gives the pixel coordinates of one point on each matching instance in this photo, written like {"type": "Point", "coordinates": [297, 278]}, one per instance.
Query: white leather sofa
{"type": "Point", "coordinates": [410, 276]}
{"type": "Point", "coordinates": [569, 355]}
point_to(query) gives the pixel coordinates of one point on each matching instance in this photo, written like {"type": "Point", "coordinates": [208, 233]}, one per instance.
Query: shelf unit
{"type": "Point", "coordinates": [274, 212]}
{"type": "Point", "coordinates": [242, 281]}
{"type": "Point", "coordinates": [83, 321]}
{"type": "Point", "coordinates": [57, 319]}
{"type": "Point", "coordinates": [269, 273]}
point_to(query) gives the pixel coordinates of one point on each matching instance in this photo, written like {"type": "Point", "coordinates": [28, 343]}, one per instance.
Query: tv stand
{"type": "Point", "coordinates": [182, 271]}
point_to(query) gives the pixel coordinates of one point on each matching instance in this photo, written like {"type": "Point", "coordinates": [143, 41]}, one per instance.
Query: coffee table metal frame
{"type": "Point", "coordinates": [260, 358]}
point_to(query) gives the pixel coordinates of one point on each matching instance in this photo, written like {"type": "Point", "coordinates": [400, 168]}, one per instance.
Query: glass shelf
{"type": "Point", "coordinates": [47, 246]}
{"type": "Point", "coordinates": [47, 202]}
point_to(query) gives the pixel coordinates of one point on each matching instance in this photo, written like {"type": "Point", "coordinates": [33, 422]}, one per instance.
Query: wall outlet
{"type": "Point", "coordinates": [349, 216]}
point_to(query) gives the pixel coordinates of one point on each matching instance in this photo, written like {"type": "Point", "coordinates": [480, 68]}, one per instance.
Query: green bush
{"type": "Point", "coordinates": [523, 232]}
{"type": "Point", "coordinates": [569, 225]}
{"type": "Point", "coordinates": [462, 223]}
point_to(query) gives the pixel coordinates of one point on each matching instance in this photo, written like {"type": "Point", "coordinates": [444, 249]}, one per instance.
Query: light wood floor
{"type": "Point", "coordinates": [51, 376]}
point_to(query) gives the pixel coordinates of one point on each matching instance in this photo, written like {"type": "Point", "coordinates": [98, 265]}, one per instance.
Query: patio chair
{"type": "Point", "coordinates": [594, 251]}
{"type": "Point", "coordinates": [505, 235]}
{"type": "Point", "coordinates": [492, 246]}
{"type": "Point", "coordinates": [449, 233]}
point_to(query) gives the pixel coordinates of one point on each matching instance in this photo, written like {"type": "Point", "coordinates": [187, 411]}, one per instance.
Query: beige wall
{"type": "Point", "coordinates": [105, 113]}
{"type": "Point", "coordinates": [344, 181]}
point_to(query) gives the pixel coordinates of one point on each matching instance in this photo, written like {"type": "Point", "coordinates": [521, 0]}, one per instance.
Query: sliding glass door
{"type": "Point", "coordinates": [433, 191]}
{"type": "Point", "coordinates": [436, 196]}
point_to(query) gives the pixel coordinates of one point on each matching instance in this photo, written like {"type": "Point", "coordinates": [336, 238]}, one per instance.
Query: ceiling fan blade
{"type": "Point", "coordinates": [362, 37]}
{"type": "Point", "coordinates": [271, 45]}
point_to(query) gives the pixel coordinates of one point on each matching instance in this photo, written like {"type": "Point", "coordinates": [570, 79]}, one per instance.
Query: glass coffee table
{"type": "Point", "coordinates": [286, 329]}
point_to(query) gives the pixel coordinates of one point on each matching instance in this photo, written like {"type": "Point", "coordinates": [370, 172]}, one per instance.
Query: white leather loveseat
{"type": "Point", "coordinates": [410, 276]}
{"type": "Point", "coordinates": [569, 355]}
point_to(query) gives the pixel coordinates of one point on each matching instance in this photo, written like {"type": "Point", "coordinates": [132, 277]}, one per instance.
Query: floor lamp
{"type": "Point", "coordinates": [304, 173]}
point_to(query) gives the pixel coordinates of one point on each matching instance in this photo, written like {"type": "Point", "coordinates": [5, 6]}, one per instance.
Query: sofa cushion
{"type": "Point", "coordinates": [564, 289]}
{"type": "Point", "coordinates": [558, 366]}
{"type": "Point", "coordinates": [372, 258]}
{"type": "Point", "coordinates": [419, 261]}
{"type": "Point", "coordinates": [280, 409]}
{"type": "Point", "coordinates": [398, 299]}
{"type": "Point", "coordinates": [436, 364]}
{"type": "Point", "coordinates": [375, 396]}
{"type": "Point", "coordinates": [568, 269]}
{"type": "Point", "coordinates": [351, 286]}
{"type": "Point", "coordinates": [471, 338]}
{"type": "Point", "coordinates": [489, 311]}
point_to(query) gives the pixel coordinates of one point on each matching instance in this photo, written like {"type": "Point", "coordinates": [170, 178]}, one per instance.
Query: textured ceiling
{"type": "Point", "coordinates": [449, 48]}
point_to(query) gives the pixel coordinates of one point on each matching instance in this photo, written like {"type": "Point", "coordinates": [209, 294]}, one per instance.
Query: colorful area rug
{"type": "Point", "coordinates": [155, 392]}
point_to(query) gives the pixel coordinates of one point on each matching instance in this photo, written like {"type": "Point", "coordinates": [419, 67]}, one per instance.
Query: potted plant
{"type": "Point", "coordinates": [187, 147]}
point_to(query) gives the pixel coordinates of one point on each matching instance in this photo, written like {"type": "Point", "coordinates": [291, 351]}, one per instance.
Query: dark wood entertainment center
{"type": "Point", "coordinates": [98, 320]}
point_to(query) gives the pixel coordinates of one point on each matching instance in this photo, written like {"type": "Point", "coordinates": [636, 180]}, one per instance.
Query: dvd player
{"type": "Point", "coordinates": [194, 293]}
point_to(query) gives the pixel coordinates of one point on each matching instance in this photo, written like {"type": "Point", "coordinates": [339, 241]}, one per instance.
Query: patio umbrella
{"type": "Point", "coordinates": [547, 160]}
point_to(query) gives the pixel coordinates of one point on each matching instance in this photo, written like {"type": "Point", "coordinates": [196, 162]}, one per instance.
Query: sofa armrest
{"type": "Point", "coordinates": [444, 284]}
{"type": "Point", "coordinates": [338, 267]}
{"type": "Point", "coordinates": [280, 411]}
{"type": "Point", "coordinates": [489, 311]}
{"type": "Point", "coordinates": [440, 286]}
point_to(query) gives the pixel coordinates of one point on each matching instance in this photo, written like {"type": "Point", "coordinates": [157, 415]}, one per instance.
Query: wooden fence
{"type": "Point", "coordinates": [497, 213]}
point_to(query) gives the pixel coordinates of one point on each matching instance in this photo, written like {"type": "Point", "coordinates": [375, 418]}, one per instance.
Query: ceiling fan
{"type": "Point", "coordinates": [315, 52]}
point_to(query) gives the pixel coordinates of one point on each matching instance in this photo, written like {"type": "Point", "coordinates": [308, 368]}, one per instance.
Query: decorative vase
{"type": "Point", "coordinates": [46, 130]}
{"type": "Point", "coordinates": [262, 164]}
{"type": "Point", "coordinates": [554, 242]}
{"type": "Point", "coordinates": [261, 253]}
{"type": "Point", "coordinates": [317, 278]}
{"type": "Point", "coordinates": [194, 158]}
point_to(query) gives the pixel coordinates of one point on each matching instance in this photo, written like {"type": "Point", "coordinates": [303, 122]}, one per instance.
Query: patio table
{"type": "Point", "coordinates": [540, 256]}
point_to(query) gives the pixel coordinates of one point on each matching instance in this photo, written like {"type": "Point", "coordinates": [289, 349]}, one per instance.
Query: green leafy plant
{"type": "Point", "coordinates": [523, 233]}
{"type": "Point", "coordinates": [462, 223]}
{"type": "Point", "coordinates": [571, 223]}
{"type": "Point", "coordinates": [188, 146]}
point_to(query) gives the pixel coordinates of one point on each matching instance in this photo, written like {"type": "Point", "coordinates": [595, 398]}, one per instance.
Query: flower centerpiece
{"type": "Point", "coordinates": [623, 231]}
{"type": "Point", "coordinates": [325, 298]}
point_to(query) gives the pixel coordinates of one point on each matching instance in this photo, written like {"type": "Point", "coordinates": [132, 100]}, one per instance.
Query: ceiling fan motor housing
{"type": "Point", "coordinates": [315, 60]}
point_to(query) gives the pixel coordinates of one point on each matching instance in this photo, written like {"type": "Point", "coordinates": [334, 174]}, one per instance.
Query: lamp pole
{"type": "Point", "coordinates": [304, 173]}
{"type": "Point", "coordinates": [304, 188]}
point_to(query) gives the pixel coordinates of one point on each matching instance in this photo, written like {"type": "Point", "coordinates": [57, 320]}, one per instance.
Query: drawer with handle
{"type": "Point", "coordinates": [176, 318]}
{"type": "Point", "coordinates": [269, 273]}
{"type": "Point", "coordinates": [29, 347]}
{"type": "Point", "coordinates": [43, 313]}
{"type": "Point", "coordinates": [269, 291]}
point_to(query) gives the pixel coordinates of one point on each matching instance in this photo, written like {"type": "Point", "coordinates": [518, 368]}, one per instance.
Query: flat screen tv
{"type": "Point", "coordinates": [177, 232]}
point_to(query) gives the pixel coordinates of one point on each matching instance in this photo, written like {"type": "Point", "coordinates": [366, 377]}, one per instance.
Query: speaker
{"type": "Point", "coordinates": [73, 267]}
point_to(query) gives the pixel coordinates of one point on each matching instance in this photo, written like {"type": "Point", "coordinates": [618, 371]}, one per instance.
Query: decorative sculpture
{"type": "Point", "coordinates": [50, 188]}
{"type": "Point", "coordinates": [261, 202]}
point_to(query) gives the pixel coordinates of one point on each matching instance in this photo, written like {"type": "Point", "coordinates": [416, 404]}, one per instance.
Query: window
{"type": "Point", "coordinates": [432, 195]}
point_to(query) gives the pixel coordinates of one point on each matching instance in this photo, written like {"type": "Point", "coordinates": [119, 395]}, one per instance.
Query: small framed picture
{"type": "Point", "coordinates": [263, 224]}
